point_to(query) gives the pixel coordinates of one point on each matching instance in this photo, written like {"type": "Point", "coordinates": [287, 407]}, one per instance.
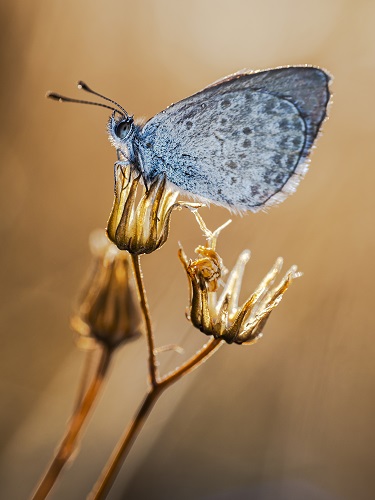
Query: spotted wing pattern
{"type": "Point", "coordinates": [243, 141]}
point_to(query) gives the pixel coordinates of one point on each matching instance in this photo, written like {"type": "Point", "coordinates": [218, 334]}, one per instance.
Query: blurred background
{"type": "Point", "coordinates": [291, 417]}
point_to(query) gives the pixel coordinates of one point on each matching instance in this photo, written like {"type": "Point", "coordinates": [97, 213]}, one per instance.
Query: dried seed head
{"type": "Point", "coordinates": [141, 226]}
{"type": "Point", "coordinates": [108, 310]}
{"type": "Point", "coordinates": [222, 317]}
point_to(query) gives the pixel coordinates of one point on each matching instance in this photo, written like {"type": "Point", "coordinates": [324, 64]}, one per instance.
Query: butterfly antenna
{"type": "Point", "coordinates": [82, 85]}
{"type": "Point", "coordinates": [61, 98]}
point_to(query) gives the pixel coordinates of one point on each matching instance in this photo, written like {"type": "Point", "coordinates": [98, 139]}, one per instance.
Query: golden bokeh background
{"type": "Point", "coordinates": [292, 416]}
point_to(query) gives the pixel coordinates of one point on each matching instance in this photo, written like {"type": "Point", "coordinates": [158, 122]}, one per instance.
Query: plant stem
{"type": "Point", "coordinates": [191, 364]}
{"type": "Point", "coordinates": [78, 418]}
{"type": "Point", "coordinates": [152, 365]}
{"type": "Point", "coordinates": [85, 377]}
{"type": "Point", "coordinates": [109, 474]}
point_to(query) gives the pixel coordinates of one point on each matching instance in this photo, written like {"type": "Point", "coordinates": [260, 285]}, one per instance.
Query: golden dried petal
{"type": "Point", "coordinates": [141, 227]}
{"type": "Point", "coordinates": [108, 310]}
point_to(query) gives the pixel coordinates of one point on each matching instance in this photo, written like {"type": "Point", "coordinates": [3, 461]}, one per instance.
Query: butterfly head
{"type": "Point", "coordinates": [121, 130]}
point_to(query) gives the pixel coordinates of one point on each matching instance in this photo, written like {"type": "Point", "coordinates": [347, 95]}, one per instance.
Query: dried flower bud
{"type": "Point", "coordinates": [141, 227]}
{"type": "Point", "coordinates": [222, 317]}
{"type": "Point", "coordinates": [206, 269]}
{"type": "Point", "coordinates": [108, 310]}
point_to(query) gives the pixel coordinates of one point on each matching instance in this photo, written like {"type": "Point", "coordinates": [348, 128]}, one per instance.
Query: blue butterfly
{"type": "Point", "coordinates": [242, 142]}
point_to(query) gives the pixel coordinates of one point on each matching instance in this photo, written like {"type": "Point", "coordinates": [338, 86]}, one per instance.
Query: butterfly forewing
{"type": "Point", "coordinates": [242, 141]}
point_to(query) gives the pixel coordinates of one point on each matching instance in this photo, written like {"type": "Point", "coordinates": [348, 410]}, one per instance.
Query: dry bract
{"type": "Point", "coordinates": [141, 226]}
{"type": "Point", "coordinates": [221, 316]}
{"type": "Point", "coordinates": [108, 310]}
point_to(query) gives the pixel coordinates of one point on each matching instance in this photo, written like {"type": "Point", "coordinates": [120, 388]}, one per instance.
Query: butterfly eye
{"type": "Point", "coordinates": [122, 129]}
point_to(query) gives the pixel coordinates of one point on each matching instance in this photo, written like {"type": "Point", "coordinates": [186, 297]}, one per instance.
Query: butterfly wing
{"type": "Point", "coordinates": [241, 142]}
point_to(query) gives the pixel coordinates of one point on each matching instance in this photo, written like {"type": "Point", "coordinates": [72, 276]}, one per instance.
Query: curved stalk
{"type": "Point", "coordinates": [191, 364]}
{"type": "Point", "coordinates": [76, 423]}
{"type": "Point", "coordinates": [109, 474]}
{"type": "Point", "coordinates": [152, 365]}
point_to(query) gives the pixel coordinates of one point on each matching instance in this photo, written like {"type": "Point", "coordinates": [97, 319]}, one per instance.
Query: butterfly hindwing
{"type": "Point", "coordinates": [242, 141]}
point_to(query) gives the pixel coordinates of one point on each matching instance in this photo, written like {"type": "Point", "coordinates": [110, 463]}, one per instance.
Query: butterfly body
{"type": "Point", "coordinates": [242, 142]}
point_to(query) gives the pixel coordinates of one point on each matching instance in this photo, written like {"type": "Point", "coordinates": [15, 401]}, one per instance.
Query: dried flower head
{"type": "Point", "coordinates": [108, 310]}
{"type": "Point", "coordinates": [222, 317]}
{"type": "Point", "coordinates": [141, 226]}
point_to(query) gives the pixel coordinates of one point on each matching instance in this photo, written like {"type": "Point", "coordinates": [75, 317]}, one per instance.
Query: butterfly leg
{"type": "Point", "coordinates": [123, 162]}
{"type": "Point", "coordinates": [122, 165]}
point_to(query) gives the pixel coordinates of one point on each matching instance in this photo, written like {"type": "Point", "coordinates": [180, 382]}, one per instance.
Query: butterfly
{"type": "Point", "coordinates": [242, 142]}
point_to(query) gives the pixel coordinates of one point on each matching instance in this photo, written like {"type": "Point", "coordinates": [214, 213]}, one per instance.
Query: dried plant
{"type": "Point", "coordinates": [109, 313]}
{"type": "Point", "coordinates": [221, 317]}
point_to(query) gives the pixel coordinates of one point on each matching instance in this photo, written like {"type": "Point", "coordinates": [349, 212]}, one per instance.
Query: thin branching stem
{"type": "Point", "coordinates": [191, 364]}
{"type": "Point", "coordinates": [113, 466]}
{"type": "Point", "coordinates": [152, 365]}
{"type": "Point", "coordinates": [85, 377]}
{"type": "Point", "coordinates": [76, 423]}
